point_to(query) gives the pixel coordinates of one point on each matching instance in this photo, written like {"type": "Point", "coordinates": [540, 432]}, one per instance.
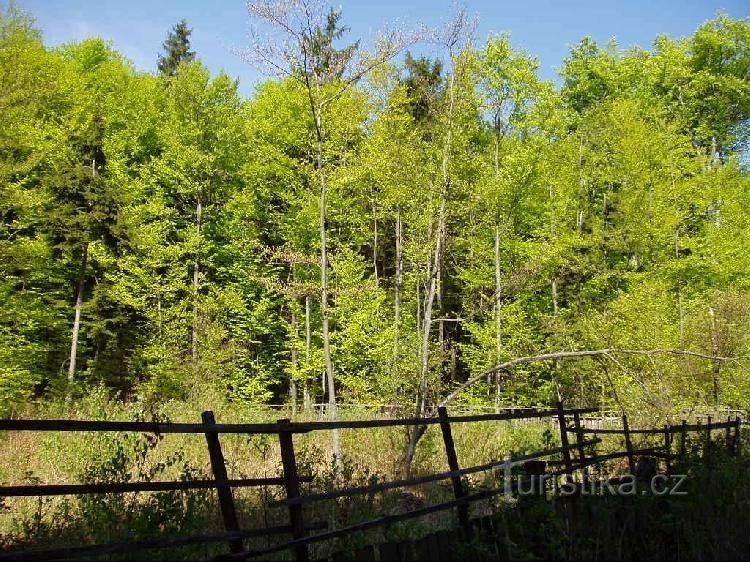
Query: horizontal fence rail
{"type": "Point", "coordinates": [572, 452]}
{"type": "Point", "coordinates": [73, 552]}
{"type": "Point", "coordinates": [124, 487]}
{"type": "Point", "coordinates": [259, 428]}
{"type": "Point", "coordinates": [384, 486]}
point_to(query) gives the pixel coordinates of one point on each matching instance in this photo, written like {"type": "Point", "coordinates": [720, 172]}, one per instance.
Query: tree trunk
{"type": "Point", "coordinates": [421, 399]}
{"type": "Point", "coordinates": [679, 287]}
{"type": "Point", "coordinates": [397, 289]}
{"type": "Point", "coordinates": [292, 379]}
{"type": "Point", "coordinates": [555, 357]}
{"type": "Point", "coordinates": [419, 306]}
{"type": "Point", "coordinates": [556, 362]}
{"type": "Point", "coordinates": [375, 242]}
{"type": "Point", "coordinates": [196, 274]}
{"type": "Point", "coordinates": [77, 319]}
{"type": "Point", "coordinates": [581, 185]}
{"type": "Point", "coordinates": [335, 437]}
{"type": "Point", "coordinates": [716, 362]}
{"type": "Point", "coordinates": [433, 272]}
{"type": "Point", "coordinates": [608, 353]}
{"type": "Point", "coordinates": [308, 349]}
{"type": "Point", "coordinates": [79, 301]}
{"type": "Point", "coordinates": [498, 316]}
{"type": "Point", "coordinates": [159, 314]}
{"type": "Point", "coordinates": [555, 308]}
{"type": "Point", "coordinates": [439, 302]}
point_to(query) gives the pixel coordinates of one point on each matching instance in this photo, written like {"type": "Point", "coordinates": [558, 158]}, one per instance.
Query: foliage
{"type": "Point", "coordinates": [611, 211]}
{"type": "Point", "coordinates": [176, 49]}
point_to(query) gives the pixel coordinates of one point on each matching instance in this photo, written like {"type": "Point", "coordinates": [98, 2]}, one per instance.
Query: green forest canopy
{"type": "Point", "coordinates": [180, 223]}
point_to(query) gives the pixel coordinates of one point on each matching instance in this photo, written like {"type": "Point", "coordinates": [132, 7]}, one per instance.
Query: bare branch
{"type": "Point", "coordinates": [607, 352]}
{"type": "Point", "coordinates": [281, 32]}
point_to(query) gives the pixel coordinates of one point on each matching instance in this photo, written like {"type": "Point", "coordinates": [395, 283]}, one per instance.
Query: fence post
{"type": "Point", "coordinates": [628, 444]}
{"type": "Point", "coordinates": [728, 435]}
{"type": "Point", "coordinates": [683, 440]}
{"type": "Point", "coordinates": [458, 487]}
{"type": "Point", "coordinates": [668, 448]}
{"type": "Point", "coordinates": [579, 444]}
{"type": "Point", "coordinates": [564, 438]}
{"type": "Point", "coordinates": [737, 436]}
{"type": "Point", "coordinates": [291, 483]}
{"type": "Point", "coordinates": [707, 453]}
{"type": "Point", "coordinates": [223, 490]}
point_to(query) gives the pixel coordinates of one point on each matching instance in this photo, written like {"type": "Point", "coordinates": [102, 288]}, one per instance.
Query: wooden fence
{"type": "Point", "coordinates": [570, 422]}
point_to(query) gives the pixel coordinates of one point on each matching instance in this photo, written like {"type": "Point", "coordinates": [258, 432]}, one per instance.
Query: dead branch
{"type": "Point", "coordinates": [607, 352]}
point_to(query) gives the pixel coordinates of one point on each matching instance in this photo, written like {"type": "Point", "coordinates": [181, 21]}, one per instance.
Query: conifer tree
{"type": "Point", "coordinates": [177, 49]}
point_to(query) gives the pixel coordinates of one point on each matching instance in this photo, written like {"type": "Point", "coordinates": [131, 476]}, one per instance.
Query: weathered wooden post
{"type": "Point", "coordinates": [668, 448]}
{"type": "Point", "coordinates": [223, 490]}
{"type": "Point", "coordinates": [458, 486]}
{"type": "Point", "coordinates": [683, 439]}
{"type": "Point", "coordinates": [628, 444]}
{"type": "Point", "coordinates": [291, 484]}
{"type": "Point", "coordinates": [564, 438]}
{"type": "Point", "coordinates": [534, 481]}
{"type": "Point", "coordinates": [728, 436]}
{"type": "Point", "coordinates": [579, 445]}
{"type": "Point", "coordinates": [738, 437]}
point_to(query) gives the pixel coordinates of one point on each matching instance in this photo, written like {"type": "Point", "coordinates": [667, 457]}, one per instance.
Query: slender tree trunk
{"type": "Point", "coordinates": [375, 242]}
{"type": "Point", "coordinates": [308, 350]}
{"type": "Point", "coordinates": [432, 281]}
{"type": "Point", "coordinates": [159, 313]}
{"type": "Point", "coordinates": [292, 379]}
{"type": "Point", "coordinates": [397, 289]}
{"type": "Point", "coordinates": [419, 306]}
{"type": "Point", "coordinates": [581, 185]}
{"type": "Point", "coordinates": [421, 399]}
{"type": "Point", "coordinates": [498, 316]}
{"type": "Point", "coordinates": [556, 362]}
{"type": "Point", "coordinates": [498, 279]}
{"type": "Point", "coordinates": [332, 411]}
{"type": "Point", "coordinates": [714, 150]}
{"type": "Point", "coordinates": [679, 288]}
{"type": "Point", "coordinates": [439, 302]}
{"type": "Point", "coordinates": [77, 319]}
{"type": "Point", "coordinates": [555, 308]}
{"type": "Point", "coordinates": [716, 362]}
{"type": "Point", "coordinates": [73, 359]}
{"type": "Point", "coordinates": [196, 278]}
{"type": "Point", "coordinates": [427, 318]}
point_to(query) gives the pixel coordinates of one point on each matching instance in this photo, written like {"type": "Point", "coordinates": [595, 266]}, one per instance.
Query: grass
{"type": "Point", "coordinates": [369, 456]}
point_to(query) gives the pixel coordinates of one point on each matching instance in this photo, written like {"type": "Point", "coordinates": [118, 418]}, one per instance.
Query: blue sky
{"type": "Point", "coordinates": [545, 28]}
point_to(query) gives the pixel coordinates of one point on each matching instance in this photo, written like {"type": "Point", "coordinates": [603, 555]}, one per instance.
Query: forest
{"type": "Point", "coordinates": [374, 226]}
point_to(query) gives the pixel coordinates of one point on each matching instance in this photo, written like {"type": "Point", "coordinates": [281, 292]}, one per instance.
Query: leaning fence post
{"type": "Point", "coordinates": [580, 446]}
{"type": "Point", "coordinates": [291, 483]}
{"type": "Point", "coordinates": [628, 444]}
{"type": "Point", "coordinates": [458, 487]}
{"type": "Point", "coordinates": [564, 438]}
{"type": "Point", "coordinates": [223, 490]}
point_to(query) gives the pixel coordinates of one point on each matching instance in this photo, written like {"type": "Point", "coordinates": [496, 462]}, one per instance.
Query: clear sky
{"type": "Point", "coordinates": [545, 28]}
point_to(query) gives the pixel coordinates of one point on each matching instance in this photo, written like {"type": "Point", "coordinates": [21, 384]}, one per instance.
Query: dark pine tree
{"type": "Point", "coordinates": [177, 49]}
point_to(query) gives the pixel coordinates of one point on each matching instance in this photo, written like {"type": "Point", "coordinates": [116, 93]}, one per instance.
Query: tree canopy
{"type": "Point", "coordinates": [158, 230]}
